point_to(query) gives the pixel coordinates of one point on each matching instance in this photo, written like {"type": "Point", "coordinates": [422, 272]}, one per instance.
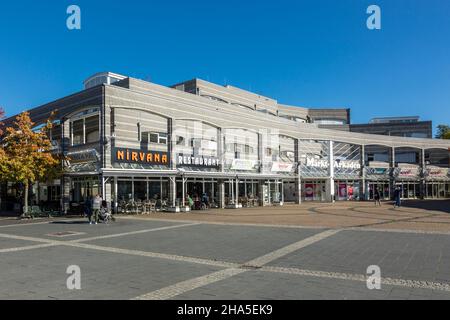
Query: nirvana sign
{"type": "Point", "coordinates": [197, 161]}
{"type": "Point", "coordinates": [140, 156]}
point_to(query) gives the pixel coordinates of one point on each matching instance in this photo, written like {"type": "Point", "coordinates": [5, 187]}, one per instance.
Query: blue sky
{"type": "Point", "coordinates": [308, 53]}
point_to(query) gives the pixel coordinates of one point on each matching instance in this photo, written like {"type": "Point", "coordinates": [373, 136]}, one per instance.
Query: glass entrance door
{"type": "Point", "coordinates": [410, 190]}
{"type": "Point", "coordinates": [314, 190]}
{"type": "Point", "coordinates": [437, 190]}
{"type": "Point", "coordinates": [383, 188]}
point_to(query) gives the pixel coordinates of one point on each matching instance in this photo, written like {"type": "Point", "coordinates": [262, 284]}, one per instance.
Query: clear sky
{"type": "Point", "coordinates": [315, 53]}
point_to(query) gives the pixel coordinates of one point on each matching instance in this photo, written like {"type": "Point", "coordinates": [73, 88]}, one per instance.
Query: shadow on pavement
{"type": "Point", "coordinates": [435, 205]}
{"type": "Point", "coordinates": [71, 222]}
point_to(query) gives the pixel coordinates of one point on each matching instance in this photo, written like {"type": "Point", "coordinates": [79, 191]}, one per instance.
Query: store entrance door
{"type": "Point", "coordinates": [314, 190]}
{"type": "Point", "coordinates": [410, 190]}
{"type": "Point", "coordinates": [383, 189]}
{"type": "Point", "coordinates": [347, 190]}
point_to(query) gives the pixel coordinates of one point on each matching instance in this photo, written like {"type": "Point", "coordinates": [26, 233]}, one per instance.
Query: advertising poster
{"type": "Point", "coordinates": [309, 190]}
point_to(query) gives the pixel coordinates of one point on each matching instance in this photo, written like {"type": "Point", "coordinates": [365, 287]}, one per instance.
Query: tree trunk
{"type": "Point", "coordinates": [26, 198]}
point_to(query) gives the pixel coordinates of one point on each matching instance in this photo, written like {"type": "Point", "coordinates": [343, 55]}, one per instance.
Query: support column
{"type": "Point", "coordinates": [173, 195]}
{"type": "Point", "coordinates": [237, 193]}
{"type": "Point", "coordinates": [107, 196]}
{"type": "Point", "coordinates": [282, 192]}
{"type": "Point", "coordinates": [261, 193]}
{"type": "Point", "coordinates": [330, 182]}
{"type": "Point", "coordinates": [422, 175]}
{"type": "Point", "coordinates": [393, 168]}
{"type": "Point", "coordinates": [116, 196]}
{"type": "Point", "coordinates": [65, 194]}
{"type": "Point", "coordinates": [221, 193]}
{"type": "Point", "coordinates": [362, 187]}
{"type": "Point", "coordinates": [298, 190]}
{"type": "Point", "coordinates": [183, 192]}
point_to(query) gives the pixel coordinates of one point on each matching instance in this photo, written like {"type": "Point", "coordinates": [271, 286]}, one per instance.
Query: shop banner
{"type": "Point", "coordinates": [124, 155]}
{"type": "Point", "coordinates": [407, 172]}
{"type": "Point", "coordinates": [197, 161]}
{"type": "Point", "coordinates": [437, 172]}
{"type": "Point", "coordinates": [241, 164]}
{"type": "Point", "coordinates": [88, 155]}
{"type": "Point", "coordinates": [282, 167]}
{"type": "Point", "coordinates": [378, 171]}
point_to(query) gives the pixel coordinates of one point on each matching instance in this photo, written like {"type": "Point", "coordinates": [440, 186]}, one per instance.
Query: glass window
{"type": "Point", "coordinates": [124, 190]}
{"type": "Point", "coordinates": [162, 138]}
{"type": "Point", "coordinates": [154, 138]}
{"type": "Point", "coordinates": [92, 132]}
{"type": "Point", "coordinates": [77, 132]}
{"type": "Point", "coordinates": [140, 190]}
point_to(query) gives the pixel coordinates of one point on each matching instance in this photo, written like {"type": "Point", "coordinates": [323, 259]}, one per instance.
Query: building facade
{"type": "Point", "coordinates": [133, 141]}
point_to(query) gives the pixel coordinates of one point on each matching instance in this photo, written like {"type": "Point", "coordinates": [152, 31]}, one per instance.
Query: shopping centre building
{"type": "Point", "coordinates": [132, 140]}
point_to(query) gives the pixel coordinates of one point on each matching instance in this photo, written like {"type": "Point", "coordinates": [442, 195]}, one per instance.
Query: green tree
{"type": "Point", "coordinates": [443, 132]}
{"type": "Point", "coordinates": [26, 154]}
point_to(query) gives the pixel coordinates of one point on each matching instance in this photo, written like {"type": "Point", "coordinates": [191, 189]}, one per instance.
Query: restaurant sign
{"type": "Point", "coordinates": [197, 161]}
{"type": "Point", "coordinates": [140, 156]}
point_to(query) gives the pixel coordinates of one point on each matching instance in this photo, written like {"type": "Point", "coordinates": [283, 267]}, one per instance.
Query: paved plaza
{"type": "Point", "coordinates": [310, 251]}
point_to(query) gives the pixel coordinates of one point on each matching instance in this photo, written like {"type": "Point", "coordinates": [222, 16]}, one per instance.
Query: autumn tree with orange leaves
{"type": "Point", "coordinates": [26, 154]}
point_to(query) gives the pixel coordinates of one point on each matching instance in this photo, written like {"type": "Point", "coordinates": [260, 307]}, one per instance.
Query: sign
{"type": "Point", "coordinates": [89, 155]}
{"type": "Point", "coordinates": [338, 164]}
{"type": "Point", "coordinates": [342, 190]}
{"type": "Point", "coordinates": [408, 172]}
{"type": "Point", "coordinates": [282, 167]}
{"type": "Point", "coordinates": [380, 171]}
{"type": "Point", "coordinates": [437, 172]}
{"type": "Point", "coordinates": [140, 156]}
{"type": "Point", "coordinates": [309, 190]}
{"type": "Point", "coordinates": [241, 164]}
{"type": "Point", "coordinates": [197, 161]}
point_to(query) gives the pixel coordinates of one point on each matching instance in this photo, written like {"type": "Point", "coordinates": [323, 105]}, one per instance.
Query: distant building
{"type": "Point", "coordinates": [410, 127]}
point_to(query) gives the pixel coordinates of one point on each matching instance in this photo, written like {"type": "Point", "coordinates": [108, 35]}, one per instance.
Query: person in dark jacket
{"type": "Point", "coordinates": [377, 197]}
{"type": "Point", "coordinates": [88, 207]}
{"type": "Point", "coordinates": [397, 197]}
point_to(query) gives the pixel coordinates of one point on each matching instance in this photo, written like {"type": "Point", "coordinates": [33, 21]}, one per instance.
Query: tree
{"type": "Point", "coordinates": [443, 132]}
{"type": "Point", "coordinates": [25, 157]}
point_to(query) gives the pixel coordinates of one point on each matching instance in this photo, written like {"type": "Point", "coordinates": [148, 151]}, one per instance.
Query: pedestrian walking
{"type": "Point", "coordinates": [397, 197]}
{"type": "Point", "coordinates": [377, 197]}
{"type": "Point", "coordinates": [88, 207]}
{"type": "Point", "coordinates": [96, 205]}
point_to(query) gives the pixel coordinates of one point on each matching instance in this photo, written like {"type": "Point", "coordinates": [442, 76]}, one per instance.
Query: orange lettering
{"type": "Point", "coordinates": [128, 156]}
{"type": "Point", "coordinates": [134, 156]}
{"type": "Point", "coordinates": [149, 157]}
{"type": "Point", "coordinates": [164, 158]}
{"type": "Point", "coordinates": [142, 156]}
{"type": "Point", "coordinates": [120, 155]}
{"type": "Point", "coordinates": [157, 158]}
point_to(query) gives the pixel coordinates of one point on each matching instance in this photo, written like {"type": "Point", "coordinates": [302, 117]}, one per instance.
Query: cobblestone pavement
{"type": "Point", "coordinates": [315, 251]}
{"type": "Point", "coordinates": [413, 215]}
